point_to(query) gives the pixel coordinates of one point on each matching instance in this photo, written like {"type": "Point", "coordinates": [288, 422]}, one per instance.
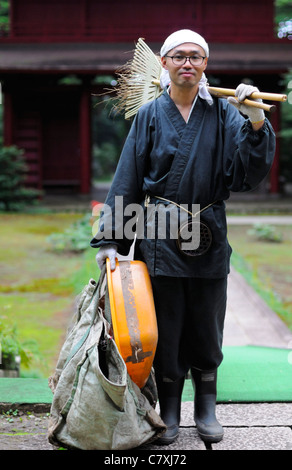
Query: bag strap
{"type": "Point", "coordinates": [97, 292]}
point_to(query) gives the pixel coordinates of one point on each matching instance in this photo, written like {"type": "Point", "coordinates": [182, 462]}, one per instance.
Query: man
{"type": "Point", "coordinates": [188, 148]}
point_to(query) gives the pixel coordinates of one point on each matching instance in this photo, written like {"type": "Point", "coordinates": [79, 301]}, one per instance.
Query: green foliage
{"type": "Point", "coordinates": [283, 18]}
{"type": "Point", "coordinates": [75, 238]}
{"type": "Point", "coordinates": [109, 133]}
{"type": "Point", "coordinates": [4, 17]}
{"type": "Point", "coordinates": [1, 124]}
{"type": "Point", "coordinates": [105, 157]}
{"type": "Point", "coordinates": [283, 21]}
{"type": "Point", "coordinates": [285, 135]}
{"type": "Point", "coordinates": [13, 193]}
{"type": "Point", "coordinates": [12, 347]}
{"type": "Point", "coordinates": [265, 232]}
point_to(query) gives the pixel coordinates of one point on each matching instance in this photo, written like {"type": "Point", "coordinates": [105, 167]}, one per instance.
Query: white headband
{"type": "Point", "coordinates": [174, 40]}
{"type": "Point", "coordinates": [181, 37]}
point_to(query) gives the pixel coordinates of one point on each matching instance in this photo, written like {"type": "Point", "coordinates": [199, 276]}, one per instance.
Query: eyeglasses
{"type": "Point", "coordinates": [181, 59]}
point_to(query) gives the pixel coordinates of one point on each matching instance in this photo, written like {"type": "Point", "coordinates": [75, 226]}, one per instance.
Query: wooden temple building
{"type": "Point", "coordinates": [49, 40]}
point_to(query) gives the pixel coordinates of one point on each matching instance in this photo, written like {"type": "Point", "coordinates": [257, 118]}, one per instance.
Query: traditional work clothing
{"type": "Point", "coordinates": [198, 162]}
{"type": "Point", "coordinates": [190, 318]}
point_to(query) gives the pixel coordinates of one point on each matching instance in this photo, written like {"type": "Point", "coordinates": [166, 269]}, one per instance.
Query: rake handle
{"type": "Point", "coordinates": [255, 104]}
{"type": "Point", "coordinates": [224, 92]}
{"type": "Point", "coordinates": [256, 95]}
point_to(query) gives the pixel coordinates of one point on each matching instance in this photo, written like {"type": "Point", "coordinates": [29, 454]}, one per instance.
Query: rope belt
{"type": "Point", "coordinates": [147, 200]}
{"type": "Point", "coordinates": [205, 234]}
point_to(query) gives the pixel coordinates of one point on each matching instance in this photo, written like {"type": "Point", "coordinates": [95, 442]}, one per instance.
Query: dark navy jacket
{"type": "Point", "coordinates": [198, 162]}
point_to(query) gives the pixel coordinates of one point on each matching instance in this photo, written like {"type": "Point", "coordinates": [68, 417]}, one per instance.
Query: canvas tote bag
{"type": "Point", "coordinates": [96, 405]}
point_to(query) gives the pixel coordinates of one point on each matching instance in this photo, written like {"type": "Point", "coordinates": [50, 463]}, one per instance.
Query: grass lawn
{"type": "Point", "coordinates": [267, 266]}
{"type": "Point", "coordinates": [38, 286]}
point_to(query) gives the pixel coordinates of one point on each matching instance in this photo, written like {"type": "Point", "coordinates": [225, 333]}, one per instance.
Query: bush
{"type": "Point", "coordinates": [11, 347]}
{"type": "Point", "coordinates": [76, 238]}
{"type": "Point", "coordinates": [266, 232]}
{"type": "Point", "coordinates": [13, 193]}
{"type": "Point", "coordinates": [105, 159]}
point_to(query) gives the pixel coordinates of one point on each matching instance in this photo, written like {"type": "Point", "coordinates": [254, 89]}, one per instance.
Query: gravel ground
{"type": "Point", "coordinates": [24, 430]}
{"type": "Point", "coordinates": [249, 426]}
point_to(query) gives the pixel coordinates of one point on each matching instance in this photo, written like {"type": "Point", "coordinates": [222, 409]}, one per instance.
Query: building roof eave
{"type": "Point", "coordinates": [96, 58]}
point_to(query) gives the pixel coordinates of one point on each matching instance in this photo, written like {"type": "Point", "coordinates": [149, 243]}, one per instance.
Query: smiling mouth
{"type": "Point", "coordinates": [188, 74]}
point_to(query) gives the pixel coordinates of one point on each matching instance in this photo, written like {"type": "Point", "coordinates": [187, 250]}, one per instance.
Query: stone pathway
{"type": "Point", "coordinates": [249, 321]}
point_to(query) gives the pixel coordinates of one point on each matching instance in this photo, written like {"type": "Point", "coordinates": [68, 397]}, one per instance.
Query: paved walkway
{"type": "Point", "coordinates": [263, 219]}
{"type": "Point", "coordinates": [249, 321]}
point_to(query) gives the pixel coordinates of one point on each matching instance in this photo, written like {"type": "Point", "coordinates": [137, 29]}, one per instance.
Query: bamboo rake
{"type": "Point", "coordinates": [139, 83]}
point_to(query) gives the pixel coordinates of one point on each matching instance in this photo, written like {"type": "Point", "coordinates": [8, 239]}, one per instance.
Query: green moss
{"type": "Point", "coordinates": [21, 433]}
{"type": "Point", "coordinates": [54, 286]}
{"type": "Point", "coordinates": [37, 287]}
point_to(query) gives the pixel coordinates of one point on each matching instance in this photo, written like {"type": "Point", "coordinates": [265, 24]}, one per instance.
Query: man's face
{"type": "Point", "coordinates": [186, 75]}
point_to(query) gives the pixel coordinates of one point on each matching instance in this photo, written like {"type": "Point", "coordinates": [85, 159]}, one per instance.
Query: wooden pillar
{"type": "Point", "coordinates": [85, 141]}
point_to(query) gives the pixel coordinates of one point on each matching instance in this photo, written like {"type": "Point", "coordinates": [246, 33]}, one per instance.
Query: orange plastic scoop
{"type": "Point", "coordinates": [133, 317]}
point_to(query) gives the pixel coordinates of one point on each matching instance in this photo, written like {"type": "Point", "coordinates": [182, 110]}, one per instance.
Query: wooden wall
{"type": "Point", "coordinates": [123, 21]}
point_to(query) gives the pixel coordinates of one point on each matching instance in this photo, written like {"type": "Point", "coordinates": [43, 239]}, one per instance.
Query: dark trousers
{"type": "Point", "coordinates": [190, 315]}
